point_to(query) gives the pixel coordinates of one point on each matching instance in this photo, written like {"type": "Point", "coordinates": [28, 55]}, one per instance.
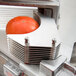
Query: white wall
{"type": "Point", "coordinates": [68, 21]}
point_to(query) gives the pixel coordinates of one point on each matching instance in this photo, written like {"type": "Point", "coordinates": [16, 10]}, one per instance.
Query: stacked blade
{"type": "Point", "coordinates": [36, 54]}
{"type": "Point", "coordinates": [30, 54]}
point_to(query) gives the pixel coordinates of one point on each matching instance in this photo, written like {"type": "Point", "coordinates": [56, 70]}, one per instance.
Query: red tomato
{"type": "Point", "coordinates": [21, 25]}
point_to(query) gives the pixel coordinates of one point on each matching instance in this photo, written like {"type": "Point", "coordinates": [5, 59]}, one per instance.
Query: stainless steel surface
{"type": "Point", "coordinates": [57, 49]}
{"type": "Point", "coordinates": [37, 3]}
{"type": "Point", "coordinates": [67, 70]}
{"type": "Point", "coordinates": [64, 49]}
{"type": "Point", "coordinates": [30, 70]}
{"type": "Point", "coordinates": [64, 72]}
{"type": "Point", "coordinates": [73, 58]}
{"type": "Point", "coordinates": [11, 69]}
{"type": "Point", "coordinates": [74, 50]}
{"type": "Point", "coordinates": [70, 67]}
{"type": "Point", "coordinates": [51, 67]}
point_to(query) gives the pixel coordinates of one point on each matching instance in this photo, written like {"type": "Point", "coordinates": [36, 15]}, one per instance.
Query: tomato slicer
{"type": "Point", "coordinates": [39, 44]}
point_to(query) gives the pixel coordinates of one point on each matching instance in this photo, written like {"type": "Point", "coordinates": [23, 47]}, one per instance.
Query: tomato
{"type": "Point", "coordinates": [21, 25]}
